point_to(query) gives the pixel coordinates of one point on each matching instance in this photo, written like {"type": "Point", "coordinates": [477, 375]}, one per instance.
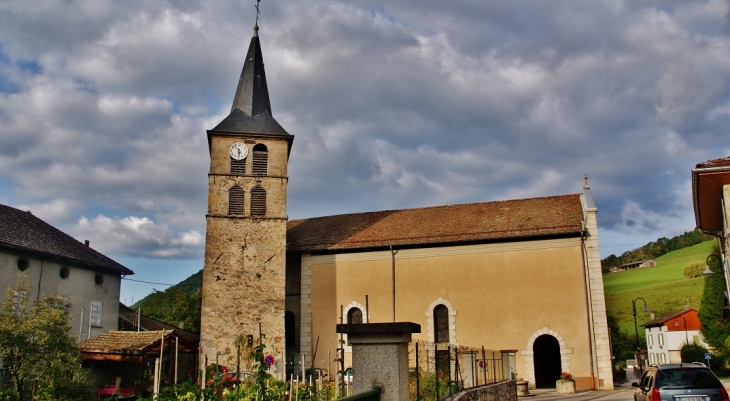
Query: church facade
{"type": "Point", "coordinates": [521, 276]}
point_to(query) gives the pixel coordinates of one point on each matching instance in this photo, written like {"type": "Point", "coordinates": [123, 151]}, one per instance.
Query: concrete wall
{"type": "Point", "coordinates": [245, 256]}
{"type": "Point", "coordinates": [502, 296]}
{"type": "Point", "coordinates": [79, 288]}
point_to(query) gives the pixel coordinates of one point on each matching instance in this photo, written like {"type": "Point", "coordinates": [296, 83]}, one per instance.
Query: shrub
{"type": "Point", "coordinates": [693, 353]}
{"type": "Point", "coordinates": [694, 270]}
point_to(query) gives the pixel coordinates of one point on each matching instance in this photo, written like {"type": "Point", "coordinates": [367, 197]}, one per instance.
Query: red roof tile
{"type": "Point", "coordinates": [725, 161]}
{"type": "Point", "coordinates": [499, 220]}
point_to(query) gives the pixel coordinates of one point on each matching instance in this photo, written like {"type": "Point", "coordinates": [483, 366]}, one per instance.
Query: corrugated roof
{"type": "Point", "coordinates": [487, 221]}
{"type": "Point", "coordinates": [22, 231]}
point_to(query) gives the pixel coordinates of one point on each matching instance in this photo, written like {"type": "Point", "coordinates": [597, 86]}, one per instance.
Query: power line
{"type": "Point", "coordinates": [146, 282]}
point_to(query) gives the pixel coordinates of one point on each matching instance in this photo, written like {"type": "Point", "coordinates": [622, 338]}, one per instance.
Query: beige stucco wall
{"type": "Point", "coordinates": [245, 257]}
{"type": "Point", "coordinates": [501, 296]}
{"type": "Point", "coordinates": [79, 288]}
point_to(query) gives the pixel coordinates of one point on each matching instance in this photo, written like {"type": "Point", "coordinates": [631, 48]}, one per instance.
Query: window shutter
{"type": "Point", "coordinates": [235, 200]}
{"type": "Point", "coordinates": [238, 167]}
{"type": "Point", "coordinates": [260, 160]}
{"type": "Point", "coordinates": [258, 201]}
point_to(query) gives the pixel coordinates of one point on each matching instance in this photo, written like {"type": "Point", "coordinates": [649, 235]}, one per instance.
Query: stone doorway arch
{"type": "Point", "coordinates": [547, 353]}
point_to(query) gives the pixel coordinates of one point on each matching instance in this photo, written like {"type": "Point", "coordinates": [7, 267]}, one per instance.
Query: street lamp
{"type": "Point", "coordinates": [636, 328]}
{"type": "Point", "coordinates": [708, 271]}
{"type": "Point", "coordinates": [676, 324]}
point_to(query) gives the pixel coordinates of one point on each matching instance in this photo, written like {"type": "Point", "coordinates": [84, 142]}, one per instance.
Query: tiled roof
{"type": "Point", "coordinates": [150, 324]}
{"type": "Point", "coordinates": [659, 321]}
{"type": "Point", "coordinates": [725, 161]}
{"type": "Point", "coordinates": [22, 231]}
{"type": "Point", "coordinates": [122, 342]}
{"type": "Point", "coordinates": [488, 221]}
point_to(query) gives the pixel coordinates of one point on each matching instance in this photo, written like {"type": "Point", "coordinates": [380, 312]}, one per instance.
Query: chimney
{"type": "Point", "coordinates": [651, 315]}
{"type": "Point", "coordinates": [86, 242]}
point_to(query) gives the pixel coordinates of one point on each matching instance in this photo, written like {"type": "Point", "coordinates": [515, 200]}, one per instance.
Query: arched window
{"type": "Point", "coordinates": [238, 167]}
{"type": "Point", "coordinates": [354, 316]}
{"type": "Point", "coordinates": [440, 324]}
{"type": "Point", "coordinates": [258, 201]}
{"type": "Point", "coordinates": [260, 160]}
{"type": "Point", "coordinates": [235, 200]}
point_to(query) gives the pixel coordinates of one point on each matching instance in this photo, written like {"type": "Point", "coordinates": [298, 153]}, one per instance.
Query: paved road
{"type": "Point", "coordinates": [622, 392]}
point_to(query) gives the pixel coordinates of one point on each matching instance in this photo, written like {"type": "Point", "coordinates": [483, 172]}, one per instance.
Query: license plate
{"type": "Point", "coordinates": [690, 398]}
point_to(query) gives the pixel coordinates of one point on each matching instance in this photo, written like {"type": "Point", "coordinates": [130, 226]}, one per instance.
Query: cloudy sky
{"type": "Point", "coordinates": [104, 107]}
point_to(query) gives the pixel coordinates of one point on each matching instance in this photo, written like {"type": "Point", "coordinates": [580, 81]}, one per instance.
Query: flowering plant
{"type": "Point", "coordinates": [566, 377]}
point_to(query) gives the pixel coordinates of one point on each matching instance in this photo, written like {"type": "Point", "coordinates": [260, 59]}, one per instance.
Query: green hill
{"type": "Point", "coordinates": [663, 286]}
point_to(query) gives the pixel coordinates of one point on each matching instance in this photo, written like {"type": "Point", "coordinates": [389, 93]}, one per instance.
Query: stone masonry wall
{"type": "Point", "coordinates": [244, 271]}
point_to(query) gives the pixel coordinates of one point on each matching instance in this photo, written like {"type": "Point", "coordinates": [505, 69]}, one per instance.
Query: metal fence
{"type": "Point", "coordinates": [439, 370]}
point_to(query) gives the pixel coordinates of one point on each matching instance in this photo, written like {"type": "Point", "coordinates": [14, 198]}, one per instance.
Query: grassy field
{"type": "Point", "coordinates": [663, 287]}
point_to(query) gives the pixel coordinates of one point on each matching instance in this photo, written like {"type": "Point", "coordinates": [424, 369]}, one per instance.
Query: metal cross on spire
{"type": "Point", "coordinates": [257, 11]}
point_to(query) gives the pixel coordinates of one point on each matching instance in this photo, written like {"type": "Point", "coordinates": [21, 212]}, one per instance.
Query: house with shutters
{"type": "Point", "coordinates": [666, 334]}
{"type": "Point", "coordinates": [56, 264]}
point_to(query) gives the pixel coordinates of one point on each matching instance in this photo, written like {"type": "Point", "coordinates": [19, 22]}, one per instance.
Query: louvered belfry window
{"type": "Point", "coordinates": [354, 315]}
{"type": "Point", "coordinates": [235, 200]}
{"type": "Point", "coordinates": [260, 160]}
{"type": "Point", "coordinates": [441, 324]}
{"type": "Point", "coordinates": [258, 201]}
{"type": "Point", "coordinates": [238, 167]}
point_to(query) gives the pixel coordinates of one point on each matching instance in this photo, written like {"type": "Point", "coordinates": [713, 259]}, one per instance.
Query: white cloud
{"type": "Point", "coordinates": [138, 237]}
{"type": "Point", "coordinates": [104, 107]}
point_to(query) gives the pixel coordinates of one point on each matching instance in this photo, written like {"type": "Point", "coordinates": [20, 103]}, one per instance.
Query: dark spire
{"type": "Point", "coordinates": [252, 95]}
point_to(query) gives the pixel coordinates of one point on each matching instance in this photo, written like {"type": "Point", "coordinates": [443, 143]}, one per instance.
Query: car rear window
{"type": "Point", "coordinates": [686, 378]}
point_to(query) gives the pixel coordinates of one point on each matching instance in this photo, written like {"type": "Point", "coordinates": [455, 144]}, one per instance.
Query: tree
{"type": "Point", "coordinates": [175, 306]}
{"type": "Point", "coordinates": [35, 343]}
{"type": "Point", "coordinates": [622, 345]}
{"type": "Point", "coordinates": [714, 328]}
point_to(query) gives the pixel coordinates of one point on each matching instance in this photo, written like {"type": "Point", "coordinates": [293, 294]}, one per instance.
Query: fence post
{"type": "Point", "coordinates": [448, 350]}
{"type": "Point", "coordinates": [486, 365]}
{"type": "Point", "coordinates": [418, 374]}
{"type": "Point", "coordinates": [436, 368]}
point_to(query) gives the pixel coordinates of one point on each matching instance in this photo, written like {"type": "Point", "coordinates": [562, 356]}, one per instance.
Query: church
{"type": "Point", "coordinates": [522, 276]}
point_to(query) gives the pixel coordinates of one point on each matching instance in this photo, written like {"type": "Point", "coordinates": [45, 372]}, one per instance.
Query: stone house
{"type": "Point", "coordinates": [523, 276]}
{"type": "Point", "coordinates": [56, 264]}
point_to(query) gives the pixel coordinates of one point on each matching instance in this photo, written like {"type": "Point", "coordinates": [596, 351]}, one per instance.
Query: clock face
{"type": "Point", "coordinates": [239, 151]}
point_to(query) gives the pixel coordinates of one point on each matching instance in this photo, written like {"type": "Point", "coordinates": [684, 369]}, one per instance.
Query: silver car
{"type": "Point", "coordinates": [679, 382]}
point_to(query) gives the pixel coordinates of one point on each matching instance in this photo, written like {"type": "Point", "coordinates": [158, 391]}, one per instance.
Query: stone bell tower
{"type": "Point", "coordinates": [245, 246]}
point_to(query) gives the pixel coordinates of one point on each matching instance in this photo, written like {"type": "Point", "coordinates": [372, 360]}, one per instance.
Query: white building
{"type": "Point", "coordinates": [56, 264]}
{"type": "Point", "coordinates": [665, 335]}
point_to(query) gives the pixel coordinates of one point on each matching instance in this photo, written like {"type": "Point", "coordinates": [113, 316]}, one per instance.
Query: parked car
{"type": "Point", "coordinates": [685, 382]}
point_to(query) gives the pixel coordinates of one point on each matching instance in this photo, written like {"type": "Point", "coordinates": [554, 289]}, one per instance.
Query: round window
{"type": "Point", "coordinates": [64, 272]}
{"type": "Point", "coordinates": [23, 264]}
{"type": "Point", "coordinates": [98, 279]}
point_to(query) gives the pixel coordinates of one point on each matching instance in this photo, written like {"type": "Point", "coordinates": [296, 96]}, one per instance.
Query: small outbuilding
{"type": "Point", "coordinates": [131, 355]}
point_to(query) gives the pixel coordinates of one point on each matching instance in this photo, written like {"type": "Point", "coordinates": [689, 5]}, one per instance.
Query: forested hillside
{"type": "Point", "coordinates": [655, 249]}
{"type": "Point", "coordinates": [178, 305]}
